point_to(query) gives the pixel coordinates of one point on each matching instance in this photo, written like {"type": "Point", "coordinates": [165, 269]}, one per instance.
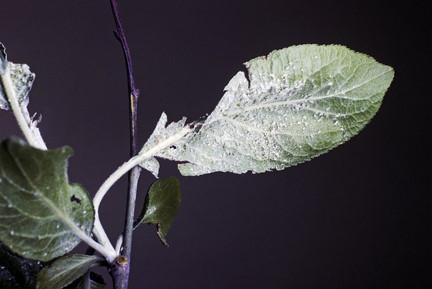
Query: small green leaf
{"type": "Point", "coordinates": [40, 212]}
{"type": "Point", "coordinates": [161, 205]}
{"type": "Point", "coordinates": [65, 270]}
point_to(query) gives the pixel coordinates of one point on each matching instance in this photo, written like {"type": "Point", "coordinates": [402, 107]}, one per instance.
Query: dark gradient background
{"type": "Point", "coordinates": [358, 217]}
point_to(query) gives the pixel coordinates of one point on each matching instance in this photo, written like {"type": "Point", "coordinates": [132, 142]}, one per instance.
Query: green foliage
{"type": "Point", "coordinates": [66, 270]}
{"type": "Point", "coordinates": [40, 212]}
{"type": "Point", "coordinates": [161, 205]}
{"type": "Point", "coordinates": [289, 107]}
{"type": "Point", "coordinates": [300, 102]}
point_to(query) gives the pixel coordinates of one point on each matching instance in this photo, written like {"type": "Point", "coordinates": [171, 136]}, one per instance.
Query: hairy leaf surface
{"type": "Point", "coordinates": [65, 270]}
{"type": "Point", "coordinates": [39, 209]}
{"type": "Point", "coordinates": [161, 205]}
{"type": "Point", "coordinates": [297, 103]}
{"type": "Point", "coordinates": [22, 79]}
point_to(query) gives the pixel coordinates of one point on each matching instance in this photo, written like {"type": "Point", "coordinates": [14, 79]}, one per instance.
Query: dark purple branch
{"type": "Point", "coordinates": [121, 36]}
{"type": "Point", "coordinates": [120, 274]}
{"type": "Point", "coordinates": [119, 271]}
{"type": "Point", "coordinates": [133, 90]}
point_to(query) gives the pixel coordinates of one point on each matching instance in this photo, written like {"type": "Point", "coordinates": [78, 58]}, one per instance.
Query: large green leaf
{"type": "Point", "coordinates": [297, 103]}
{"type": "Point", "coordinates": [66, 270]}
{"type": "Point", "coordinates": [40, 212]}
{"type": "Point", "coordinates": [161, 205]}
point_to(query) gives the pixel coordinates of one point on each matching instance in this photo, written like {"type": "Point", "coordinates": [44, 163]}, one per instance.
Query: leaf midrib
{"type": "Point", "coordinates": [76, 265]}
{"type": "Point", "coordinates": [307, 98]}
{"type": "Point", "coordinates": [52, 206]}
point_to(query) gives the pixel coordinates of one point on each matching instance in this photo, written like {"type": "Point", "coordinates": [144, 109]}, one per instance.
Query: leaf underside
{"type": "Point", "coordinates": [22, 79]}
{"type": "Point", "coordinates": [65, 270]}
{"type": "Point", "coordinates": [300, 102]}
{"type": "Point", "coordinates": [37, 204]}
{"type": "Point", "coordinates": [161, 205]}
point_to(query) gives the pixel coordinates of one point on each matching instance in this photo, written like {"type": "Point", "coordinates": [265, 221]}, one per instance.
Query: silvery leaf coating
{"type": "Point", "coordinates": [296, 104]}
{"type": "Point", "coordinates": [22, 79]}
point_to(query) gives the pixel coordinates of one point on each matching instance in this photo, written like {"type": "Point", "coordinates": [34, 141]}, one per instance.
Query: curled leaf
{"type": "Point", "coordinates": [161, 205]}
{"type": "Point", "coordinates": [22, 80]}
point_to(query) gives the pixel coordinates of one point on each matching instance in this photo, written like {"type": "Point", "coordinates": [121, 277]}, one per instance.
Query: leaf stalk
{"type": "Point", "coordinates": [33, 138]}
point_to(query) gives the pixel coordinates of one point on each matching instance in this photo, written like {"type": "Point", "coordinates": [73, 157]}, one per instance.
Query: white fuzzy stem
{"type": "Point", "coordinates": [124, 169]}
{"type": "Point", "coordinates": [32, 138]}
{"type": "Point", "coordinates": [109, 254]}
{"type": "Point", "coordinates": [119, 244]}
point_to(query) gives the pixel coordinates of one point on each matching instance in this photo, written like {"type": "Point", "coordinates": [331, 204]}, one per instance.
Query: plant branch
{"type": "Point", "coordinates": [120, 172]}
{"type": "Point", "coordinates": [119, 271]}
{"type": "Point", "coordinates": [121, 36]}
{"type": "Point", "coordinates": [135, 173]}
{"type": "Point", "coordinates": [133, 100]}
